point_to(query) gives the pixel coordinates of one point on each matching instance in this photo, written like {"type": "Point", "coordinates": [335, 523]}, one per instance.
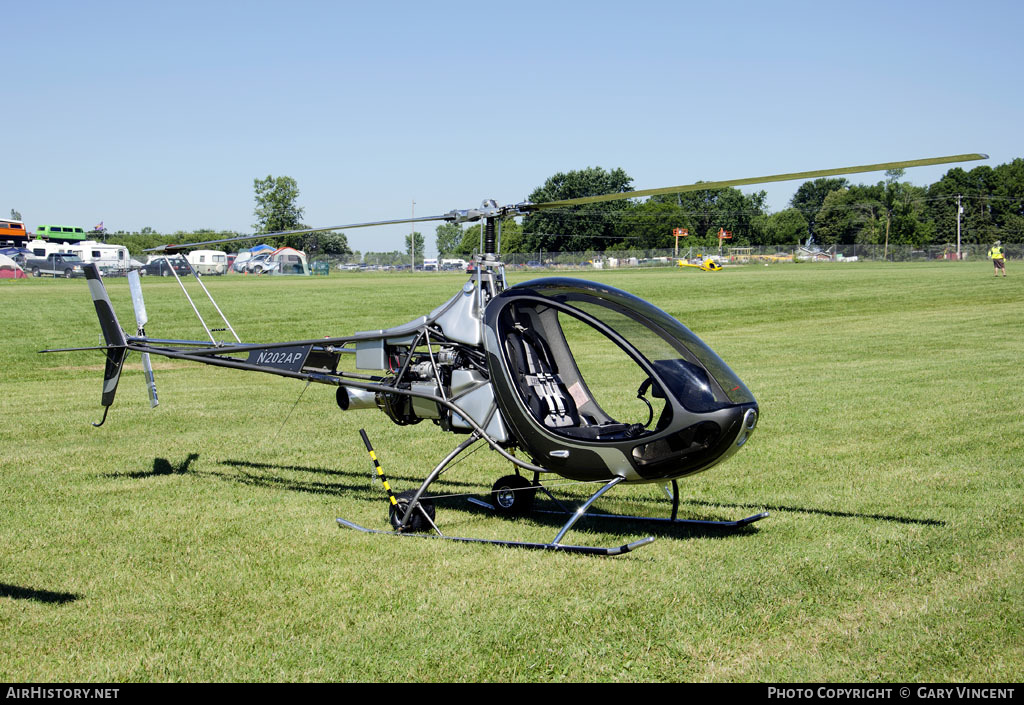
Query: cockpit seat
{"type": "Point", "coordinates": [537, 376]}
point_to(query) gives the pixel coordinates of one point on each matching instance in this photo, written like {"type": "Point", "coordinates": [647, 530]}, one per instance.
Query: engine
{"type": "Point", "coordinates": [449, 373]}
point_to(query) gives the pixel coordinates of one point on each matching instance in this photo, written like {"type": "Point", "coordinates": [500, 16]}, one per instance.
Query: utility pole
{"type": "Point", "coordinates": [412, 237]}
{"type": "Point", "coordinates": [959, 210]}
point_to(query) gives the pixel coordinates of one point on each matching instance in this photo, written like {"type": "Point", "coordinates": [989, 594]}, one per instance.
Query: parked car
{"type": "Point", "coordinates": [261, 264]}
{"type": "Point", "coordinates": [57, 264]}
{"type": "Point", "coordinates": [161, 267]}
{"type": "Point", "coordinates": [241, 260]}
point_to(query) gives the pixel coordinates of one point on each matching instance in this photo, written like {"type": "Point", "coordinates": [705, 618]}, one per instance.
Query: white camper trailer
{"type": "Point", "coordinates": [208, 261]}
{"type": "Point", "coordinates": [42, 248]}
{"type": "Point", "coordinates": [111, 259]}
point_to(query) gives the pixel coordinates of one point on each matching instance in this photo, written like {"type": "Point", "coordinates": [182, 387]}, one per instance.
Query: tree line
{"type": "Point", "coordinates": [276, 211]}
{"type": "Point", "coordinates": [828, 211]}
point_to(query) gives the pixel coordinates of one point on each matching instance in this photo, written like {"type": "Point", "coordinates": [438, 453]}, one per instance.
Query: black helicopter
{"type": "Point", "coordinates": [498, 364]}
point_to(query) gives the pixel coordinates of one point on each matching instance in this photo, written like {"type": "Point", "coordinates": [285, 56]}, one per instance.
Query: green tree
{"type": "Point", "coordinates": [651, 223]}
{"type": "Point", "coordinates": [835, 220]}
{"type": "Point", "coordinates": [577, 228]}
{"type": "Point", "coordinates": [704, 213]}
{"type": "Point", "coordinates": [511, 239]}
{"type": "Point", "coordinates": [1008, 200]}
{"type": "Point", "coordinates": [786, 227]}
{"type": "Point", "coordinates": [470, 242]}
{"type": "Point", "coordinates": [511, 236]}
{"type": "Point", "coordinates": [992, 199]}
{"type": "Point", "coordinates": [326, 243]}
{"type": "Point", "coordinates": [15, 215]}
{"type": "Point", "coordinates": [891, 199]}
{"type": "Point", "coordinates": [419, 246]}
{"type": "Point", "coordinates": [810, 196]}
{"type": "Point", "coordinates": [276, 208]}
{"type": "Point", "coordinates": [448, 237]}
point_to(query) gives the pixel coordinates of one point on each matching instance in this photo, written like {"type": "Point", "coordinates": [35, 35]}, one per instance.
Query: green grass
{"type": "Point", "coordinates": [888, 454]}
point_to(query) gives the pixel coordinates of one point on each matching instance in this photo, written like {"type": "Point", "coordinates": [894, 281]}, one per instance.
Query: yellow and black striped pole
{"type": "Point", "coordinates": [376, 465]}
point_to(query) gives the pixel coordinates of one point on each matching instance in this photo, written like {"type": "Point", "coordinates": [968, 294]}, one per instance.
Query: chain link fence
{"type": "Point", "coordinates": [611, 259]}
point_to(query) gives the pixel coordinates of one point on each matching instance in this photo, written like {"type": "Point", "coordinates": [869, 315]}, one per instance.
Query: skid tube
{"type": "Point", "coordinates": [707, 523]}
{"type": "Point", "coordinates": [563, 548]}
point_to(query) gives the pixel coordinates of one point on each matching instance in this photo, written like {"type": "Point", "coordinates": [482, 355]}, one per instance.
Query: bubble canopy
{"type": "Point", "coordinates": [676, 354]}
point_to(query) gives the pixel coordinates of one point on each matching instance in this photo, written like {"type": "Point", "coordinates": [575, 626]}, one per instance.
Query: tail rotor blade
{"type": "Point", "coordinates": [135, 285]}
{"type": "Point", "coordinates": [147, 368]}
{"type": "Point", "coordinates": [113, 335]}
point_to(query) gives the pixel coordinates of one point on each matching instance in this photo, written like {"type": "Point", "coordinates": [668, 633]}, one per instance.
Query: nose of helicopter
{"type": "Point", "coordinates": [747, 427]}
{"type": "Point", "coordinates": [697, 447]}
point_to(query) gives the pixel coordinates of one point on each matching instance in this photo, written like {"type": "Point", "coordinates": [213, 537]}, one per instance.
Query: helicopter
{"type": "Point", "coordinates": [704, 264]}
{"type": "Point", "coordinates": [499, 364]}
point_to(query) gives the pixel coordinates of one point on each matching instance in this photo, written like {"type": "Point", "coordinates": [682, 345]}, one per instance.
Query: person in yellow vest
{"type": "Point", "coordinates": [998, 258]}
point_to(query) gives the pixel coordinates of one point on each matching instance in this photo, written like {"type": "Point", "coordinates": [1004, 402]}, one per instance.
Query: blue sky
{"type": "Point", "coordinates": [143, 114]}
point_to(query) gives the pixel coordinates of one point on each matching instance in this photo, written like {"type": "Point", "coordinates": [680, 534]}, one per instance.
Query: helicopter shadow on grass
{"type": "Point", "coordinates": [550, 514]}
{"type": "Point", "coordinates": [442, 483]}
{"type": "Point", "coordinates": [371, 491]}
{"type": "Point", "coordinates": [50, 597]}
{"type": "Point", "coordinates": [392, 477]}
{"type": "Point", "coordinates": [161, 466]}
{"type": "Point", "coordinates": [271, 482]}
{"type": "Point", "coordinates": [799, 510]}
{"type": "Point", "coordinates": [366, 487]}
{"type": "Point", "coordinates": [822, 512]}
{"type": "Point", "coordinates": [362, 489]}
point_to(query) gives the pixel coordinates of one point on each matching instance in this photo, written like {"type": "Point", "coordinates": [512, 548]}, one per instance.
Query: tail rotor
{"type": "Point", "coordinates": [113, 335]}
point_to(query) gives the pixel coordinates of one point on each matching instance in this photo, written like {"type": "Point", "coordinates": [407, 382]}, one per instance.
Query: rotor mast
{"type": "Point", "coordinates": [490, 247]}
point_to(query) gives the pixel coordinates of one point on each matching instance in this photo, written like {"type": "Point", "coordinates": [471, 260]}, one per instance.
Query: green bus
{"type": "Point", "coordinates": [61, 233]}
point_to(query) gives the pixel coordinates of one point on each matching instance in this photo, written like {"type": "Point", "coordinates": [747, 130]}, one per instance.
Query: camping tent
{"type": "Point", "coordinates": [9, 269]}
{"type": "Point", "coordinates": [289, 261]}
{"type": "Point", "coordinates": [18, 254]}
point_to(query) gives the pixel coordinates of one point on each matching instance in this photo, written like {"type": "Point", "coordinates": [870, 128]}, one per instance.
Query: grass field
{"type": "Point", "coordinates": [197, 541]}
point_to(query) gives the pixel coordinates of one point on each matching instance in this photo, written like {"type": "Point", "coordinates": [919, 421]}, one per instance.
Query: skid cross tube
{"type": "Point", "coordinates": [578, 514]}
{"type": "Point", "coordinates": [415, 501]}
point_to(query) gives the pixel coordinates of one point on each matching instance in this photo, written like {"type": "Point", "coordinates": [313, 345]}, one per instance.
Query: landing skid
{"type": "Point", "coordinates": [563, 548]}
{"type": "Point", "coordinates": [413, 511]}
{"type": "Point", "coordinates": [739, 523]}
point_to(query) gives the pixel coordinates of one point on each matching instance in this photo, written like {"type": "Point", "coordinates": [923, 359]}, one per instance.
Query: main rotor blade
{"type": "Point", "coordinates": [712, 185]}
{"type": "Point", "coordinates": [423, 219]}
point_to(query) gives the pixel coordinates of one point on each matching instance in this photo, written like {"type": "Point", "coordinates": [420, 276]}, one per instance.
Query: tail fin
{"type": "Point", "coordinates": [113, 335]}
